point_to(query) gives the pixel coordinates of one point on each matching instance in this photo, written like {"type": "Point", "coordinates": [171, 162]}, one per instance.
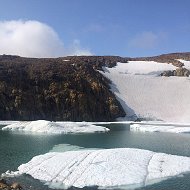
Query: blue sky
{"type": "Point", "coordinates": [109, 27]}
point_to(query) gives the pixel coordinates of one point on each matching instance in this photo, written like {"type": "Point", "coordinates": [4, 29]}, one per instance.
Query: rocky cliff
{"type": "Point", "coordinates": [56, 89]}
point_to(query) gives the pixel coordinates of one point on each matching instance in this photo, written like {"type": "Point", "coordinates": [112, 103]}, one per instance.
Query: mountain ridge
{"type": "Point", "coordinates": [64, 88]}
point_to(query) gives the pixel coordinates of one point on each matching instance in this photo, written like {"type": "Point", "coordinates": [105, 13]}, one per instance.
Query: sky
{"type": "Point", "coordinates": [131, 28]}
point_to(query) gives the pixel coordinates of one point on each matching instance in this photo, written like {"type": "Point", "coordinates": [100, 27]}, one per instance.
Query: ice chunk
{"type": "Point", "coordinates": [105, 167]}
{"type": "Point", "coordinates": [42, 126]}
{"type": "Point", "coordinates": [160, 128]}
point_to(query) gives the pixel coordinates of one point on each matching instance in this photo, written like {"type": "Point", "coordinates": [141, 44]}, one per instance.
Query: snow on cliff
{"type": "Point", "coordinates": [42, 126]}
{"type": "Point", "coordinates": [186, 63]}
{"type": "Point", "coordinates": [104, 167]}
{"type": "Point", "coordinates": [145, 94]}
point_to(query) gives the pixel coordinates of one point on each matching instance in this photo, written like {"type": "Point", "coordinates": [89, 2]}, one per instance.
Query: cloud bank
{"type": "Point", "coordinates": [34, 39]}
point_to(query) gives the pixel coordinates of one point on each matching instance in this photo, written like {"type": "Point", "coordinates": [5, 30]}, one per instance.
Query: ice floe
{"type": "Point", "coordinates": [8, 122]}
{"type": "Point", "coordinates": [42, 126]}
{"type": "Point", "coordinates": [160, 128]}
{"type": "Point", "coordinates": [146, 95]}
{"type": "Point", "coordinates": [104, 167]}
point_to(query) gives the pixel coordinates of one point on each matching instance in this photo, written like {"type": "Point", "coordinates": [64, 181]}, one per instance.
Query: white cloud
{"type": "Point", "coordinates": [34, 39]}
{"type": "Point", "coordinates": [146, 40]}
{"type": "Point", "coordinates": [76, 49]}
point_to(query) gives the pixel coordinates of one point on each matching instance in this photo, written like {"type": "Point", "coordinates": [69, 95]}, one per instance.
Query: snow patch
{"type": "Point", "coordinates": [143, 67]}
{"type": "Point", "coordinates": [186, 63]}
{"type": "Point", "coordinates": [104, 168]}
{"type": "Point", "coordinates": [144, 94]}
{"type": "Point", "coordinates": [42, 126]}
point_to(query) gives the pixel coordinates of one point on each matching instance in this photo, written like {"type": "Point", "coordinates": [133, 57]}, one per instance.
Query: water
{"type": "Point", "coordinates": [18, 148]}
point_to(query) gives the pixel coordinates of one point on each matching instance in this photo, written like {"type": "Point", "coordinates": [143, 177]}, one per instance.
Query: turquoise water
{"type": "Point", "coordinates": [18, 148]}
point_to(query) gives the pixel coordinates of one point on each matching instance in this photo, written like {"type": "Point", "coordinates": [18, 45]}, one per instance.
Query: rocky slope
{"type": "Point", "coordinates": [55, 89]}
{"type": "Point", "coordinates": [172, 58]}
{"type": "Point", "coordinates": [166, 58]}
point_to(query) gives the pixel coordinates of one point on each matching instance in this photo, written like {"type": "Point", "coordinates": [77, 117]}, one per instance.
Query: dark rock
{"type": "Point", "coordinates": [167, 73]}
{"type": "Point", "coordinates": [4, 185]}
{"type": "Point", "coordinates": [3, 181]}
{"type": "Point", "coordinates": [55, 89]}
{"type": "Point", "coordinates": [16, 186]}
{"type": "Point", "coordinates": [180, 72]}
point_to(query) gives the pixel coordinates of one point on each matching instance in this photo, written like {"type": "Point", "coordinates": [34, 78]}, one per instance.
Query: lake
{"type": "Point", "coordinates": [17, 148]}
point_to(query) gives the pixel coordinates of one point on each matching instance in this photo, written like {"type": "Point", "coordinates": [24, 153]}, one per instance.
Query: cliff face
{"type": "Point", "coordinates": [56, 89]}
{"type": "Point", "coordinates": [67, 88]}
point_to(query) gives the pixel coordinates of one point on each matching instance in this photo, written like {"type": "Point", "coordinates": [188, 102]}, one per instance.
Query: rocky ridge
{"type": "Point", "coordinates": [56, 89]}
{"type": "Point", "coordinates": [67, 88]}
{"type": "Point", "coordinates": [171, 58]}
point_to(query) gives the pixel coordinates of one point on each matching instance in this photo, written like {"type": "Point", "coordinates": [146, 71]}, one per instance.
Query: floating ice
{"type": "Point", "coordinates": [160, 128]}
{"type": "Point", "coordinates": [105, 167]}
{"type": "Point", "coordinates": [42, 126]}
{"type": "Point", "coordinates": [8, 122]}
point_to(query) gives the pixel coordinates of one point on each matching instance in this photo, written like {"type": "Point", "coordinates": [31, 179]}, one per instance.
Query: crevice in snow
{"type": "Point", "coordinates": [147, 170]}
{"type": "Point", "coordinates": [70, 167]}
{"type": "Point", "coordinates": [33, 165]}
{"type": "Point", "coordinates": [87, 166]}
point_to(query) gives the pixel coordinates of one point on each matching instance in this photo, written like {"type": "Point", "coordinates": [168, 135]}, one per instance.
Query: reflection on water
{"type": "Point", "coordinates": [18, 148]}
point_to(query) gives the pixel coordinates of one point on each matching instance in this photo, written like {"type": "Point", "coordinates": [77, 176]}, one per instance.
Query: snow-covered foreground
{"type": "Point", "coordinates": [145, 94]}
{"type": "Point", "coordinates": [160, 128]}
{"type": "Point", "coordinates": [104, 167]}
{"type": "Point", "coordinates": [42, 126]}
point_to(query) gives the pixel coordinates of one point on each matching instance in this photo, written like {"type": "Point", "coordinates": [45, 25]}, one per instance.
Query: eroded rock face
{"type": "Point", "coordinates": [55, 89]}
{"type": "Point", "coordinates": [180, 72]}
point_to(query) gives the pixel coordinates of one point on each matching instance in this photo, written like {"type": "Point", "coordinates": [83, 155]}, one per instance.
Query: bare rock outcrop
{"type": "Point", "coordinates": [56, 89]}
{"type": "Point", "coordinates": [180, 72]}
